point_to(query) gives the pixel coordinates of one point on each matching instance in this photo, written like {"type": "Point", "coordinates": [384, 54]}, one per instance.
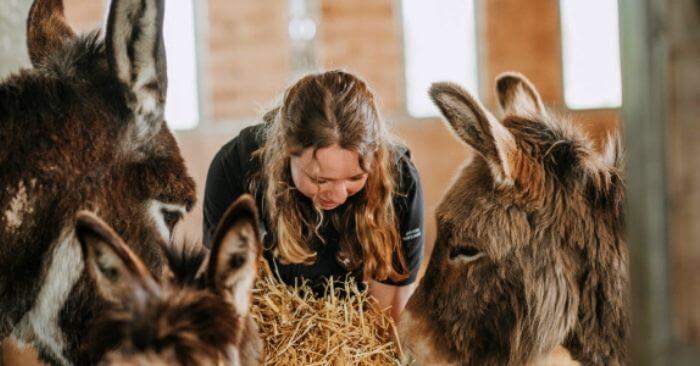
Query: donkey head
{"type": "Point", "coordinates": [200, 316]}
{"type": "Point", "coordinates": [82, 129]}
{"type": "Point", "coordinates": [529, 253]}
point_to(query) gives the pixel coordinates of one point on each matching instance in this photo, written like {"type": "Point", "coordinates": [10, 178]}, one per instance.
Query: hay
{"type": "Point", "coordinates": [300, 329]}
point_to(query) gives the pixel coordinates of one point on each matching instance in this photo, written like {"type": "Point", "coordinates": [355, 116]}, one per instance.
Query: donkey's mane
{"type": "Point", "coordinates": [568, 155]}
{"type": "Point", "coordinates": [185, 259]}
{"type": "Point", "coordinates": [79, 54]}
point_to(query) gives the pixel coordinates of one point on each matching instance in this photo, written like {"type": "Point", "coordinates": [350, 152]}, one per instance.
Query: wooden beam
{"type": "Point", "coordinates": [644, 56]}
{"type": "Point", "coordinates": [647, 34]}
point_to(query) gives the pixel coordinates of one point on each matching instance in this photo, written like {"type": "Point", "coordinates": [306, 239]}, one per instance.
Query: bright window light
{"type": "Point", "coordinates": [182, 106]}
{"type": "Point", "coordinates": [439, 45]}
{"type": "Point", "coordinates": [591, 54]}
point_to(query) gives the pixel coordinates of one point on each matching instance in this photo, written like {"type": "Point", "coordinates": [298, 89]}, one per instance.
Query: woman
{"type": "Point", "coordinates": [337, 197]}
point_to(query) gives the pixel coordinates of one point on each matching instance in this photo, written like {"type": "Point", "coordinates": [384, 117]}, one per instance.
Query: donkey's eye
{"type": "Point", "coordinates": [236, 261]}
{"type": "Point", "coordinates": [171, 218]}
{"type": "Point", "coordinates": [465, 253]}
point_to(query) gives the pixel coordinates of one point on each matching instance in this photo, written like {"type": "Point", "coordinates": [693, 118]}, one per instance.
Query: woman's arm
{"type": "Point", "coordinates": [391, 298]}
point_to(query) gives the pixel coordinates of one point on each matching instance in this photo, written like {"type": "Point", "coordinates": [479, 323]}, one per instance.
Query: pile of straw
{"type": "Point", "coordinates": [300, 329]}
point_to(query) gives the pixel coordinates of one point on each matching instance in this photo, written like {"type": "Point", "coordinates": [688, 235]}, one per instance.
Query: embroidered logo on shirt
{"type": "Point", "coordinates": [412, 234]}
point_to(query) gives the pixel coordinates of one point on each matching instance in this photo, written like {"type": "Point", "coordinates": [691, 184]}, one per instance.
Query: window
{"type": "Point", "coordinates": [182, 105]}
{"type": "Point", "coordinates": [439, 45]}
{"type": "Point", "coordinates": [302, 35]}
{"type": "Point", "coordinates": [591, 54]}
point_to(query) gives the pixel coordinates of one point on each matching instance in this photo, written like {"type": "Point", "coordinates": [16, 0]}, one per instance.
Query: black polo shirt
{"type": "Point", "coordinates": [229, 177]}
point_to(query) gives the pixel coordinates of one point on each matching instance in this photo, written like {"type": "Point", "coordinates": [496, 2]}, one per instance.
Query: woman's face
{"type": "Point", "coordinates": [330, 177]}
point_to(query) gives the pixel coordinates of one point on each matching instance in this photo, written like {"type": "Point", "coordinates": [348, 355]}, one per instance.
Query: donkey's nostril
{"type": "Point", "coordinates": [465, 251]}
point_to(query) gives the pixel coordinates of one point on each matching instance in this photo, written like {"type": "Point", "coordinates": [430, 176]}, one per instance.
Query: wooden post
{"type": "Point", "coordinates": [643, 59]}
{"type": "Point", "coordinates": [648, 114]}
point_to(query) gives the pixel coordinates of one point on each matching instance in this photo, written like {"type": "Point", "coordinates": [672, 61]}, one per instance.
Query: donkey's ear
{"type": "Point", "coordinates": [111, 264]}
{"type": "Point", "coordinates": [476, 126]}
{"type": "Point", "coordinates": [136, 54]}
{"type": "Point", "coordinates": [47, 30]}
{"type": "Point", "coordinates": [518, 96]}
{"type": "Point", "coordinates": [234, 254]}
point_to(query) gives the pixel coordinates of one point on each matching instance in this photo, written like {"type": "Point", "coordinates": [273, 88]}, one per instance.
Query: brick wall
{"type": "Point", "coordinates": [248, 57]}
{"type": "Point", "coordinates": [523, 37]}
{"type": "Point", "coordinates": [85, 15]}
{"type": "Point", "coordinates": [363, 36]}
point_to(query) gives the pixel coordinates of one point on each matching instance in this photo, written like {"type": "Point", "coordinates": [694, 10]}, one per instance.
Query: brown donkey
{"type": "Point", "coordinates": [82, 129]}
{"type": "Point", "coordinates": [529, 253]}
{"type": "Point", "coordinates": [197, 316]}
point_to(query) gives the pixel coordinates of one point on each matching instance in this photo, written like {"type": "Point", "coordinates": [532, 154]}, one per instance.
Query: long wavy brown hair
{"type": "Point", "coordinates": [318, 111]}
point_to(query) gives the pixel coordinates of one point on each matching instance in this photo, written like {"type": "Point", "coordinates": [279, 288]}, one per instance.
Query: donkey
{"type": "Point", "coordinates": [82, 129]}
{"type": "Point", "coordinates": [199, 316]}
{"type": "Point", "coordinates": [529, 253]}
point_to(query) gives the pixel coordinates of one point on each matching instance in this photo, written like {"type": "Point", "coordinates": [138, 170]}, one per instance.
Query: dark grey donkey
{"type": "Point", "coordinates": [529, 253]}
{"type": "Point", "coordinates": [82, 129]}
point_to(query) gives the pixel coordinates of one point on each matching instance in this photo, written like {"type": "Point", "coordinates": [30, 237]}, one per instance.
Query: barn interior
{"type": "Point", "coordinates": [629, 66]}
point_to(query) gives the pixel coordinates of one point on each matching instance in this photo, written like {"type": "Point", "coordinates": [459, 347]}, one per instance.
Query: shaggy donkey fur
{"type": "Point", "coordinates": [529, 253]}
{"type": "Point", "coordinates": [199, 316]}
{"type": "Point", "coordinates": [82, 129]}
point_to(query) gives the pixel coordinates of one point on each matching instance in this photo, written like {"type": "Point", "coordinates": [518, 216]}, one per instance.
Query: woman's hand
{"type": "Point", "coordinates": [392, 299]}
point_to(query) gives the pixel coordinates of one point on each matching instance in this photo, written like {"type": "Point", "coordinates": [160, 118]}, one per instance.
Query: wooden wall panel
{"type": "Point", "coordinates": [683, 163]}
